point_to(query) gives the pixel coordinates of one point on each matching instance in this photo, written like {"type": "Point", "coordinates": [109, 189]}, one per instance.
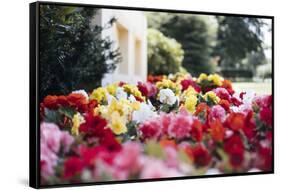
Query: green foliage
{"type": "Point", "coordinates": [72, 53]}
{"type": "Point", "coordinates": [237, 38]}
{"type": "Point", "coordinates": [154, 149]}
{"type": "Point", "coordinates": [165, 55]}
{"type": "Point", "coordinates": [195, 33]}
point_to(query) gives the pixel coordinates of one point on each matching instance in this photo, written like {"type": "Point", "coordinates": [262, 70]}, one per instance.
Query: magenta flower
{"type": "Point", "coordinates": [217, 112]}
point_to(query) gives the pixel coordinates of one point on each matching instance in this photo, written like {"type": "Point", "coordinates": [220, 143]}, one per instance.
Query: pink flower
{"type": "Point", "coordinates": [217, 112]}
{"type": "Point", "coordinates": [154, 168]}
{"type": "Point", "coordinates": [165, 120]}
{"type": "Point", "coordinates": [66, 140]}
{"type": "Point", "coordinates": [50, 135]}
{"type": "Point", "coordinates": [180, 126]}
{"type": "Point", "coordinates": [51, 141]}
{"type": "Point", "coordinates": [171, 156]}
{"type": "Point", "coordinates": [48, 160]}
{"type": "Point", "coordinates": [263, 101]}
{"type": "Point", "coordinates": [222, 93]}
{"type": "Point", "coordinates": [128, 158]}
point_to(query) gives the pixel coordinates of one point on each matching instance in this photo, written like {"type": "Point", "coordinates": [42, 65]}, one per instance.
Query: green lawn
{"type": "Point", "coordinates": [259, 87]}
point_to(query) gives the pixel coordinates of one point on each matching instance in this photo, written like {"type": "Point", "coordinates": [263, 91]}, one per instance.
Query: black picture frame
{"type": "Point", "coordinates": [34, 121]}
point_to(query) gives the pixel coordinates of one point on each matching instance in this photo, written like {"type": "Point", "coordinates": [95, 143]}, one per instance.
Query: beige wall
{"type": "Point", "coordinates": [129, 33]}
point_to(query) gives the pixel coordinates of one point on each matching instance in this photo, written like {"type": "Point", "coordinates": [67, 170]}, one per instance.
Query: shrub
{"type": "Point", "coordinates": [72, 53]}
{"type": "Point", "coordinates": [165, 54]}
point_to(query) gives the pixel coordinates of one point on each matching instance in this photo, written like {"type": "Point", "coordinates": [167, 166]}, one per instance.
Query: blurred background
{"type": "Point", "coordinates": [84, 48]}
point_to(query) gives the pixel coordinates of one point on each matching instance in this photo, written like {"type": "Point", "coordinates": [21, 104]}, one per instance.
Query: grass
{"type": "Point", "coordinates": [259, 87]}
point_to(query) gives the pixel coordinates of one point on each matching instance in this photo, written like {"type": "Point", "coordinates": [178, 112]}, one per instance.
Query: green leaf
{"type": "Point", "coordinates": [52, 116]}
{"type": "Point", "coordinates": [67, 111]}
{"type": "Point", "coordinates": [154, 149]}
{"type": "Point", "coordinates": [183, 157]}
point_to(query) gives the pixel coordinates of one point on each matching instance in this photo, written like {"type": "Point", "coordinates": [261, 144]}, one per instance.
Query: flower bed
{"type": "Point", "coordinates": [168, 127]}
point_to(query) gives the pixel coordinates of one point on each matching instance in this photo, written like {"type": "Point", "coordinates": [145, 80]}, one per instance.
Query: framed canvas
{"type": "Point", "coordinates": [126, 94]}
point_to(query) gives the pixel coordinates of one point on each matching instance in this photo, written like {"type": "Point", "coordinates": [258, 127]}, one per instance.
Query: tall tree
{"type": "Point", "coordinates": [72, 53]}
{"type": "Point", "coordinates": [238, 37]}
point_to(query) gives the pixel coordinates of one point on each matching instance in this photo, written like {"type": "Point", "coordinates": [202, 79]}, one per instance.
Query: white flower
{"type": "Point", "coordinates": [167, 96]}
{"type": "Point", "coordinates": [144, 113]}
{"type": "Point", "coordinates": [132, 98]}
{"type": "Point", "coordinates": [83, 92]}
{"type": "Point", "coordinates": [121, 94]}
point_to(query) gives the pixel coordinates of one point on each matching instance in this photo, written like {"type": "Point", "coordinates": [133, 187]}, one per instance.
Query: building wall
{"type": "Point", "coordinates": [129, 33]}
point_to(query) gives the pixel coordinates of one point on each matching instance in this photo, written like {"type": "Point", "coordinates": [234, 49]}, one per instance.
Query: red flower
{"type": "Point", "coordinates": [90, 155]}
{"type": "Point", "coordinates": [188, 82]}
{"type": "Point", "coordinates": [72, 167]}
{"type": "Point", "coordinates": [92, 104]}
{"type": "Point", "coordinates": [264, 161]}
{"type": "Point", "coordinates": [201, 156]}
{"type": "Point", "coordinates": [232, 143]}
{"type": "Point", "coordinates": [150, 129]}
{"type": "Point", "coordinates": [236, 158]}
{"type": "Point", "coordinates": [235, 121]}
{"type": "Point", "coordinates": [197, 130]}
{"type": "Point", "coordinates": [235, 101]}
{"type": "Point", "coordinates": [250, 126]}
{"type": "Point", "coordinates": [235, 149]}
{"type": "Point", "coordinates": [93, 125]}
{"type": "Point", "coordinates": [109, 141]}
{"type": "Point", "coordinates": [266, 116]}
{"type": "Point", "coordinates": [143, 89]}
{"type": "Point", "coordinates": [217, 130]}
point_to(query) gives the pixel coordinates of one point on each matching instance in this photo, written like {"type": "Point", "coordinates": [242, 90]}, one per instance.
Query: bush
{"type": "Point", "coordinates": [165, 55]}
{"type": "Point", "coordinates": [196, 33]}
{"type": "Point", "coordinates": [72, 53]}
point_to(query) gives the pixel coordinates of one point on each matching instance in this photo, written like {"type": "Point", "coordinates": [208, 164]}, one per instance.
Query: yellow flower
{"type": "Point", "coordinates": [112, 89]}
{"type": "Point", "coordinates": [165, 83]}
{"type": "Point", "coordinates": [131, 89]}
{"type": "Point", "coordinates": [77, 120]}
{"type": "Point", "coordinates": [211, 95]}
{"type": "Point", "coordinates": [99, 94]}
{"type": "Point", "coordinates": [190, 103]}
{"type": "Point", "coordinates": [202, 77]}
{"type": "Point", "coordinates": [216, 79]}
{"type": "Point", "coordinates": [190, 91]}
{"type": "Point", "coordinates": [117, 113]}
{"type": "Point", "coordinates": [117, 123]}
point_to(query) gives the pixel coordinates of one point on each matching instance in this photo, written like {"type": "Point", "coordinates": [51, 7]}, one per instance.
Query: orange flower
{"type": "Point", "coordinates": [50, 101]}
{"type": "Point", "coordinates": [202, 107]}
{"type": "Point", "coordinates": [78, 101]}
{"type": "Point", "coordinates": [154, 79]}
{"type": "Point", "coordinates": [225, 104]}
{"type": "Point", "coordinates": [217, 130]}
{"type": "Point", "coordinates": [168, 143]}
{"type": "Point", "coordinates": [235, 121]}
{"type": "Point", "coordinates": [228, 86]}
